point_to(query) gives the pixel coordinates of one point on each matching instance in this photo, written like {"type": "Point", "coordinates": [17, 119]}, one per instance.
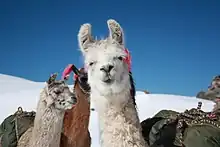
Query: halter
{"type": "Point", "coordinates": [73, 68]}
{"type": "Point", "coordinates": [84, 91]}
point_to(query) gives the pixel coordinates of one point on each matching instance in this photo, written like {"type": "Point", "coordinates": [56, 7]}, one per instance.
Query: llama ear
{"type": "Point", "coordinates": [52, 78]}
{"type": "Point", "coordinates": [85, 37]}
{"type": "Point", "coordinates": [115, 31]}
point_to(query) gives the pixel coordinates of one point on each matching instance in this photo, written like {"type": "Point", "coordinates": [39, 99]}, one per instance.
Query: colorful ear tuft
{"type": "Point", "coordinates": [128, 59]}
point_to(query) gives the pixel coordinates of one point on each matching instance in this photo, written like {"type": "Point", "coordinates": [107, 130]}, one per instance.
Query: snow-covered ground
{"type": "Point", "coordinates": [15, 92]}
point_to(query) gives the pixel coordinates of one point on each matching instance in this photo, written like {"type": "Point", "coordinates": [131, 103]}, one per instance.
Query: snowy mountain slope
{"type": "Point", "coordinates": [14, 84]}
{"type": "Point", "coordinates": [15, 92]}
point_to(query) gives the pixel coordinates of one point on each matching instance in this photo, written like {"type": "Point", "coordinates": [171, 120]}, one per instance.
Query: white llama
{"type": "Point", "coordinates": [108, 76]}
{"type": "Point", "coordinates": [55, 98]}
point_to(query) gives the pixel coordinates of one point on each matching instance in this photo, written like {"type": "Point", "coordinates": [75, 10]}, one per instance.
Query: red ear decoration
{"type": "Point", "coordinates": [128, 59]}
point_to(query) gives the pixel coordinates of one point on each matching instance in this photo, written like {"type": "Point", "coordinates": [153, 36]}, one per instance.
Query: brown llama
{"type": "Point", "coordinates": [76, 120]}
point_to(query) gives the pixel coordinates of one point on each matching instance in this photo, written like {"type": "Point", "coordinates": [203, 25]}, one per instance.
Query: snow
{"type": "Point", "coordinates": [15, 92]}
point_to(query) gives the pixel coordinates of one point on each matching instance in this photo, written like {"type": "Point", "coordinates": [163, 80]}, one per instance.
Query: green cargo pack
{"type": "Point", "coordinates": [14, 126]}
{"type": "Point", "coordinates": [192, 128]}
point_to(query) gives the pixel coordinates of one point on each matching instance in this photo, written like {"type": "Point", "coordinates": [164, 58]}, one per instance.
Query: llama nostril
{"type": "Point", "coordinates": [102, 69]}
{"type": "Point", "coordinates": [110, 67]}
{"type": "Point", "coordinates": [107, 68]}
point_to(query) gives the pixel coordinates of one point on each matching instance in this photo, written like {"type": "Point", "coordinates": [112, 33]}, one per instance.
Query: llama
{"type": "Point", "coordinates": [76, 120]}
{"type": "Point", "coordinates": [111, 84]}
{"type": "Point", "coordinates": [213, 91]}
{"type": "Point", "coordinates": [55, 99]}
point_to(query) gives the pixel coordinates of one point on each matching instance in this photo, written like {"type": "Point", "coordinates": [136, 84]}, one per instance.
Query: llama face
{"type": "Point", "coordinates": [60, 96]}
{"type": "Point", "coordinates": [216, 82]}
{"type": "Point", "coordinates": [104, 59]}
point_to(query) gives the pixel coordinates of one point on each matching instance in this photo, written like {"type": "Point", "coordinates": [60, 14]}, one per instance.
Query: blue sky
{"type": "Point", "coordinates": [175, 44]}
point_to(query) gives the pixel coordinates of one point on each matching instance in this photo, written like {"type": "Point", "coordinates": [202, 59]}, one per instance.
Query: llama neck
{"type": "Point", "coordinates": [120, 126]}
{"type": "Point", "coordinates": [47, 127]}
{"type": "Point", "coordinates": [76, 122]}
{"type": "Point", "coordinates": [77, 117]}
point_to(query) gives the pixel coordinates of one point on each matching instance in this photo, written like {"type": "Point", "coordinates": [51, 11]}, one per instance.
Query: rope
{"type": "Point", "coordinates": [189, 118]}
{"type": "Point", "coordinates": [194, 117]}
{"type": "Point", "coordinates": [17, 115]}
{"type": "Point", "coordinates": [84, 91]}
{"type": "Point", "coordinates": [16, 128]}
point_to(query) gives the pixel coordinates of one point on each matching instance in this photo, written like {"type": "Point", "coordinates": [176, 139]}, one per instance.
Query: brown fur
{"type": "Point", "coordinates": [76, 122]}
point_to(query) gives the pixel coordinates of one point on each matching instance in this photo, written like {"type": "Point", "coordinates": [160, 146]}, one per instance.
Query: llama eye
{"type": "Point", "coordinates": [91, 63]}
{"type": "Point", "coordinates": [57, 92]}
{"type": "Point", "coordinates": [120, 58]}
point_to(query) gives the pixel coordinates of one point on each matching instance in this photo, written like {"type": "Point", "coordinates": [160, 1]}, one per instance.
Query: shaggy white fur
{"type": "Point", "coordinates": [55, 98]}
{"type": "Point", "coordinates": [108, 76]}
